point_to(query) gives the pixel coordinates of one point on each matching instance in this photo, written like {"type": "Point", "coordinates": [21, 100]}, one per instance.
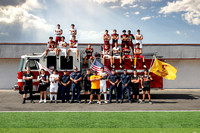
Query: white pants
{"type": "Point", "coordinates": [73, 49]}
{"type": "Point", "coordinates": [53, 88]}
{"type": "Point", "coordinates": [103, 86]}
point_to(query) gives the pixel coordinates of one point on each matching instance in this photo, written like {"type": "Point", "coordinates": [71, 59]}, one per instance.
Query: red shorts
{"type": "Point", "coordinates": [89, 57]}
{"type": "Point", "coordinates": [139, 56]}
{"type": "Point", "coordinates": [127, 56]}
{"type": "Point", "coordinates": [58, 39]}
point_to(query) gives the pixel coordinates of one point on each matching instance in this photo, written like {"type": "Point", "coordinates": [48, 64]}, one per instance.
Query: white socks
{"type": "Point", "coordinates": [53, 95]}
{"type": "Point", "coordinates": [105, 96]}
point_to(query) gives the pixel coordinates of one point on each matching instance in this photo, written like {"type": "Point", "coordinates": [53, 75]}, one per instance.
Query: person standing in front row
{"type": "Point", "coordinates": [145, 83]}
{"type": "Point", "coordinates": [125, 79]}
{"type": "Point", "coordinates": [103, 87]}
{"type": "Point", "coordinates": [76, 78]}
{"type": "Point", "coordinates": [65, 86]}
{"type": "Point", "coordinates": [135, 79]}
{"type": "Point", "coordinates": [28, 77]}
{"type": "Point", "coordinates": [113, 79]}
{"type": "Point", "coordinates": [43, 80]}
{"type": "Point", "coordinates": [87, 83]}
{"type": "Point", "coordinates": [95, 87]}
{"type": "Point", "coordinates": [54, 79]}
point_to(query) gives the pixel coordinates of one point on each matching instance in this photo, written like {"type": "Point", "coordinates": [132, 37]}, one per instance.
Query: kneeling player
{"type": "Point", "coordinates": [106, 53]}
{"type": "Point", "coordinates": [51, 46]}
{"type": "Point", "coordinates": [116, 54]}
{"type": "Point", "coordinates": [62, 46]}
{"type": "Point", "coordinates": [126, 54]}
{"type": "Point", "coordinates": [145, 83]}
{"type": "Point", "coordinates": [88, 52]}
{"type": "Point", "coordinates": [138, 52]}
{"type": "Point", "coordinates": [73, 44]}
{"type": "Point", "coordinates": [135, 79]}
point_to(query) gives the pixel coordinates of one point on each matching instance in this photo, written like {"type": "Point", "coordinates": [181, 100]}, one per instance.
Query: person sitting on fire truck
{"type": "Point", "coordinates": [138, 52]}
{"type": "Point", "coordinates": [88, 52]}
{"type": "Point", "coordinates": [106, 53]}
{"type": "Point", "coordinates": [116, 54]}
{"type": "Point", "coordinates": [115, 38]}
{"type": "Point", "coordinates": [62, 46]}
{"type": "Point", "coordinates": [127, 54]}
{"type": "Point", "coordinates": [51, 46]}
{"type": "Point", "coordinates": [73, 44]}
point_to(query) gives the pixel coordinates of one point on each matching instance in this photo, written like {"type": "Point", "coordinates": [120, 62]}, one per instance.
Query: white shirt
{"type": "Point", "coordinates": [116, 49]}
{"type": "Point", "coordinates": [51, 79]}
{"type": "Point", "coordinates": [72, 33]}
{"type": "Point", "coordinates": [103, 81]}
{"type": "Point", "coordinates": [62, 43]}
{"type": "Point", "coordinates": [57, 32]}
{"type": "Point", "coordinates": [139, 41]}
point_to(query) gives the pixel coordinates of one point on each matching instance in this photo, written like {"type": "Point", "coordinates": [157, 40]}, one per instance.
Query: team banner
{"type": "Point", "coordinates": [163, 69]}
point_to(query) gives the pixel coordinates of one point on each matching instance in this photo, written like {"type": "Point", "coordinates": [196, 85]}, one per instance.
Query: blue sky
{"type": "Point", "coordinates": [160, 21]}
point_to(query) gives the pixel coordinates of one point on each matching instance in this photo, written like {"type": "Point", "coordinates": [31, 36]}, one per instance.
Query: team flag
{"type": "Point", "coordinates": [43, 67]}
{"type": "Point", "coordinates": [96, 66]}
{"type": "Point", "coordinates": [163, 69]}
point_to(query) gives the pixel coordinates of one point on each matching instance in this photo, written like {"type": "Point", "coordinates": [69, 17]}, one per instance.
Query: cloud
{"type": "Point", "coordinates": [11, 2]}
{"type": "Point", "coordinates": [143, 8]}
{"type": "Point", "coordinates": [189, 10]}
{"type": "Point", "coordinates": [128, 2]}
{"type": "Point", "coordinates": [178, 32]}
{"type": "Point", "coordinates": [134, 6]}
{"type": "Point", "coordinates": [127, 14]}
{"type": "Point", "coordinates": [104, 1]}
{"type": "Point", "coordinates": [113, 7]}
{"type": "Point", "coordinates": [136, 13]}
{"type": "Point", "coordinates": [145, 18]}
{"type": "Point", "coordinates": [156, 0]}
{"type": "Point", "coordinates": [21, 14]}
{"type": "Point", "coordinates": [90, 36]}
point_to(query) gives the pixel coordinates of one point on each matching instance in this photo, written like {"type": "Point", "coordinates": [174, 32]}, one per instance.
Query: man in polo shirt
{"type": "Point", "coordinates": [125, 79]}
{"type": "Point", "coordinates": [65, 86]}
{"type": "Point", "coordinates": [95, 87]}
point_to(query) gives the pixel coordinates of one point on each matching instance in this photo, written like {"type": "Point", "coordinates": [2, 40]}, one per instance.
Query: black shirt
{"type": "Point", "coordinates": [86, 80]}
{"type": "Point", "coordinates": [135, 84]}
{"type": "Point", "coordinates": [30, 81]}
{"type": "Point", "coordinates": [145, 82]}
{"type": "Point", "coordinates": [65, 79]}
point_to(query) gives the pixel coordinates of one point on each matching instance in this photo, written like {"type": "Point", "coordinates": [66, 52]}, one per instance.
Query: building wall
{"type": "Point", "coordinates": [187, 75]}
{"type": "Point", "coordinates": [8, 70]}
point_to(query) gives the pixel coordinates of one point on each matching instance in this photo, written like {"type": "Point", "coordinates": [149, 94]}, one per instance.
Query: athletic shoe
{"type": "Point", "coordinates": [79, 102]}
{"type": "Point", "coordinates": [150, 102]}
{"type": "Point", "coordinates": [144, 66]}
{"type": "Point", "coordinates": [23, 102]}
{"type": "Point", "coordinates": [142, 102]}
{"type": "Point", "coordinates": [138, 101]}
{"type": "Point", "coordinates": [68, 60]}
{"type": "Point", "coordinates": [133, 100]}
{"type": "Point", "coordinates": [134, 66]}
{"type": "Point", "coordinates": [40, 101]}
{"type": "Point", "coordinates": [32, 101]}
{"type": "Point", "coordinates": [117, 102]}
{"type": "Point", "coordinates": [110, 101]}
{"type": "Point", "coordinates": [121, 102]}
{"type": "Point", "coordinates": [121, 66]}
{"type": "Point", "coordinates": [99, 102]}
{"type": "Point", "coordinates": [77, 59]}
{"type": "Point", "coordinates": [45, 101]}
{"type": "Point", "coordinates": [90, 102]}
{"type": "Point", "coordinates": [85, 101]}
{"type": "Point", "coordinates": [130, 102]}
{"type": "Point", "coordinates": [50, 101]}
{"type": "Point", "coordinates": [113, 66]}
{"type": "Point", "coordinates": [105, 102]}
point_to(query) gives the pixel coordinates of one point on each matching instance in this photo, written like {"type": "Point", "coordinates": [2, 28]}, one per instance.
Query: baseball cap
{"type": "Point", "coordinates": [125, 69]}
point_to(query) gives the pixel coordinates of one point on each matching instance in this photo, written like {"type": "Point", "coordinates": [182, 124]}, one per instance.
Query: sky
{"type": "Point", "coordinates": [160, 21]}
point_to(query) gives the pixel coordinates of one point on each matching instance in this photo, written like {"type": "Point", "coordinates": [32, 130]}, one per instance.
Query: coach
{"type": "Point", "coordinates": [76, 77]}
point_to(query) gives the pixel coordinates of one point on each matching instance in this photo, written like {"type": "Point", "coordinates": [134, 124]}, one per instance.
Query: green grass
{"type": "Point", "coordinates": [100, 122]}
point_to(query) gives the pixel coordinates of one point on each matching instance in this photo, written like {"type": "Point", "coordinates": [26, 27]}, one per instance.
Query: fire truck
{"type": "Point", "coordinates": [60, 63]}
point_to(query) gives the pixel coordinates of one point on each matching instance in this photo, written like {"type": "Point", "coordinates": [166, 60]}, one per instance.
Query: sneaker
{"type": "Point", "coordinates": [113, 66]}
{"type": "Point", "coordinates": [117, 102]}
{"type": "Point", "coordinates": [150, 102]}
{"type": "Point", "coordinates": [138, 101]}
{"type": "Point", "coordinates": [121, 66]}
{"type": "Point", "coordinates": [130, 102]}
{"type": "Point", "coordinates": [90, 102]}
{"type": "Point", "coordinates": [32, 101]}
{"type": "Point", "coordinates": [79, 102]}
{"type": "Point", "coordinates": [99, 102]}
{"type": "Point", "coordinates": [133, 100]}
{"type": "Point", "coordinates": [23, 102]}
{"type": "Point", "coordinates": [121, 102]}
{"type": "Point", "coordinates": [109, 101]}
{"type": "Point", "coordinates": [85, 101]}
{"type": "Point", "coordinates": [134, 66]}
{"type": "Point", "coordinates": [40, 101]}
{"type": "Point", "coordinates": [77, 59]}
{"type": "Point", "coordinates": [142, 102]}
{"type": "Point", "coordinates": [45, 101]}
{"type": "Point", "coordinates": [144, 66]}
{"type": "Point", "coordinates": [105, 102]}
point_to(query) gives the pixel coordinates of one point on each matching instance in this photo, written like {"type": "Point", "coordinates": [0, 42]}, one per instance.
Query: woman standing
{"type": "Point", "coordinates": [43, 80]}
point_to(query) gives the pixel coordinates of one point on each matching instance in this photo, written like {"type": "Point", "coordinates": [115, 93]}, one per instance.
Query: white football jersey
{"type": "Point", "coordinates": [51, 79]}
